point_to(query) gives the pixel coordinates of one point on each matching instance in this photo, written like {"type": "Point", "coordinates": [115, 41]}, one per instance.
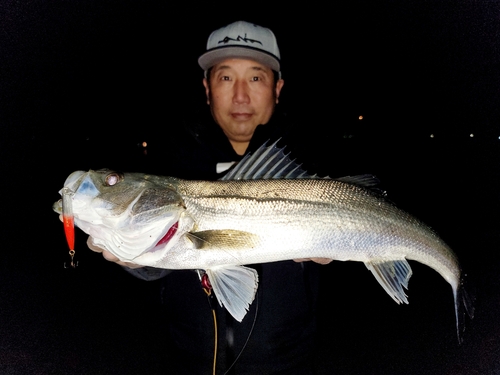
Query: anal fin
{"type": "Point", "coordinates": [393, 276]}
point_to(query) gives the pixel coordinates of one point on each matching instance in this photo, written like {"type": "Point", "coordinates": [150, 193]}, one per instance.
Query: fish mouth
{"type": "Point", "coordinates": [167, 237]}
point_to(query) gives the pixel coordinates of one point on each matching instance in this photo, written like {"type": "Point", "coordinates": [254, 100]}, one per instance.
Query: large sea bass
{"type": "Point", "coordinates": [266, 209]}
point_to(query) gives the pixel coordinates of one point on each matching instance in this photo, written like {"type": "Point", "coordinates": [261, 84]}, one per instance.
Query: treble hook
{"type": "Point", "coordinates": [205, 282]}
{"type": "Point", "coordinates": [72, 264]}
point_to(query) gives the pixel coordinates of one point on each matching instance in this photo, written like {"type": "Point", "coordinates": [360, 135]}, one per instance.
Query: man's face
{"type": "Point", "coordinates": [242, 95]}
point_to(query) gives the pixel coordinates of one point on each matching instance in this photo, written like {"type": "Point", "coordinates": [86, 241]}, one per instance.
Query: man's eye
{"type": "Point", "coordinates": [256, 79]}
{"type": "Point", "coordinates": [224, 78]}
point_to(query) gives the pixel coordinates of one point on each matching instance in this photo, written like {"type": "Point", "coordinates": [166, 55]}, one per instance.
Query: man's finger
{"type": "Point", "coordinates": [109, 256]}
{"type": "Point", "coordinates": [93, 247]}
{"type": "Point", "coordinates": [317, 260]}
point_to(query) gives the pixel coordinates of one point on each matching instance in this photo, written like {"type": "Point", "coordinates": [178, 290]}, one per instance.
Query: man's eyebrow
{"type": "Point", "coordinates": [259, 68]}
{"type": "Point", "coordinates": [222, 67]}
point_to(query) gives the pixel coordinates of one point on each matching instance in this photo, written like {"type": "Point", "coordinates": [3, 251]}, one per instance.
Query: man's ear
{"type": "Point", "coordinates": [279, 86]}
{"type": "Point", "coordinates": [207, 90]}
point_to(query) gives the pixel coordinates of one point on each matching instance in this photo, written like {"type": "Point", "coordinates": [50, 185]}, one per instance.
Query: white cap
{"type": "Point", "coordinates": [241, 40]}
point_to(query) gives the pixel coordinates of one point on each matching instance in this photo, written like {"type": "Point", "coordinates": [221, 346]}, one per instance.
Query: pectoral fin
{"type": "Point", "coordinates": [227, 239]}
{"type": "Point", "coordinates": [393, 276]}
{"type": "Point", "coordinates": [234, 287]}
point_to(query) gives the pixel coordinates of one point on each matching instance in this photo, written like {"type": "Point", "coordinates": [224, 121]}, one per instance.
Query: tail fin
{"type": "Point", "coordinates": [464, 302]}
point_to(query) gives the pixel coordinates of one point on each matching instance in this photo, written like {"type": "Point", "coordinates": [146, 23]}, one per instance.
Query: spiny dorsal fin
{"type": "Point", "coordinates": [268, 162]}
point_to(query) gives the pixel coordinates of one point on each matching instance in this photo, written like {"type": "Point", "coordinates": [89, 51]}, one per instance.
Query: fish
{"type": "Point", "coordinates": [265, 209]}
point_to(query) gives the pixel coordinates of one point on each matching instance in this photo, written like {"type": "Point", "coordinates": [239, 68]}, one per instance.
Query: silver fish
{"type": "Point", "coordinates": [266, 209]}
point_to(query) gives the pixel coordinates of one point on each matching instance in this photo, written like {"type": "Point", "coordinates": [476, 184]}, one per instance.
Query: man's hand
{"type": "Point", "coordinates": [317, 260]}
{"type": "Point", "coordinates": [108, 256]}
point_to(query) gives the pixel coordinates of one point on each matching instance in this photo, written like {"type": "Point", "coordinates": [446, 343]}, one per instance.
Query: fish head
{"type": "Point", "coordinates": [125, 214]}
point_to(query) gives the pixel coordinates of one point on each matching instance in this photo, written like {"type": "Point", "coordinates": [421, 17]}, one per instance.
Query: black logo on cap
{"type": "Point", "coordinates": [239, 39]}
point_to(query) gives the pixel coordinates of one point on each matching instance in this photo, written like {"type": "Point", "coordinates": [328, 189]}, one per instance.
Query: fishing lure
{"type": "Point", "coordinates": [69, 224]}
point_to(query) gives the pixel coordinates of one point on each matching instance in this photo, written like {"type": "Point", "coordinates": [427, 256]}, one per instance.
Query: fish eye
{"type": "Point", "coordinates": [112, 179]}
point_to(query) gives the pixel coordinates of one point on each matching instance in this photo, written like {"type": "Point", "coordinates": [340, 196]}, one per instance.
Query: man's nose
{"type": "Point", "coordinates": [240, 95]}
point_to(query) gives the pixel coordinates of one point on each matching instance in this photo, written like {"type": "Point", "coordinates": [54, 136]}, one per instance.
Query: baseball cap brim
{"type": "Point", "coordinates": [217, 55]}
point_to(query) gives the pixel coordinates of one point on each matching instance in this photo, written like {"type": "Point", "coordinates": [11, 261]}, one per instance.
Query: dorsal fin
{"type": "Point", "coordinates": [367, 181]}
{"type": "Point", "coordinates": [268, 162]}
{"type": "Point", "coordinates": [271, 162]}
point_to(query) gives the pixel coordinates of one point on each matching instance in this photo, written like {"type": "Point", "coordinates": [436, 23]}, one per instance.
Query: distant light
{"type": "Point", "coordinates": [471, 135]}
{"type": "Point", "coordinates": [360, 117]}
{"type": "Point", "coordinates": [432, 136]}
{"type": "Point", "coordinates": [144, 144]}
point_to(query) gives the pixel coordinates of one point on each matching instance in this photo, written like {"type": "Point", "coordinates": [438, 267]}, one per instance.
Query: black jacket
{"type": "Point", "coordinates": [277, 335]}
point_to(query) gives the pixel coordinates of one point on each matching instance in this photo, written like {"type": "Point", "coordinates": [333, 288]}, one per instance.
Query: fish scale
{"type": "Point", "coordinates": [247, 207]}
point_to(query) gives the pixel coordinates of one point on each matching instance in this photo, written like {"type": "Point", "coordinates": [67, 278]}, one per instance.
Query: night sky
{"type": "Point", "coordinates": [83, 83]}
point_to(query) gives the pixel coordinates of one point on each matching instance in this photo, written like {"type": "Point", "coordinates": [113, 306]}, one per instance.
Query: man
{"type": "Point", "coordinates": [242, 84]}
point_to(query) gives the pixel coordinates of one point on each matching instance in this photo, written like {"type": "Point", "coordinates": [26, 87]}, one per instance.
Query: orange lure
{"type": "Point", "coordinates": [69, 223]}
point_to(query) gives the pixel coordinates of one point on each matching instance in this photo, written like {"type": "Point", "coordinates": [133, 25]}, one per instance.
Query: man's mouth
{"type": "Point", "coordinates": [241, 116]}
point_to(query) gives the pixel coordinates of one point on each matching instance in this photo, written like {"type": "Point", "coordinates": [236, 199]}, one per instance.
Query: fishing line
{"type": "Point", "coordinates": [207, 288]}
{"type": "Point", "coordinates": [249, 334]}
{"type": "Point", "coordinates": [208, 292]}
{"type": "Point", "coordinates": [215, 346]}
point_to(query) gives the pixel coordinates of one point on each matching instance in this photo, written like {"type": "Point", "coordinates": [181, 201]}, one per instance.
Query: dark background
{"type": "Point", "coordinates": [83, 83]}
